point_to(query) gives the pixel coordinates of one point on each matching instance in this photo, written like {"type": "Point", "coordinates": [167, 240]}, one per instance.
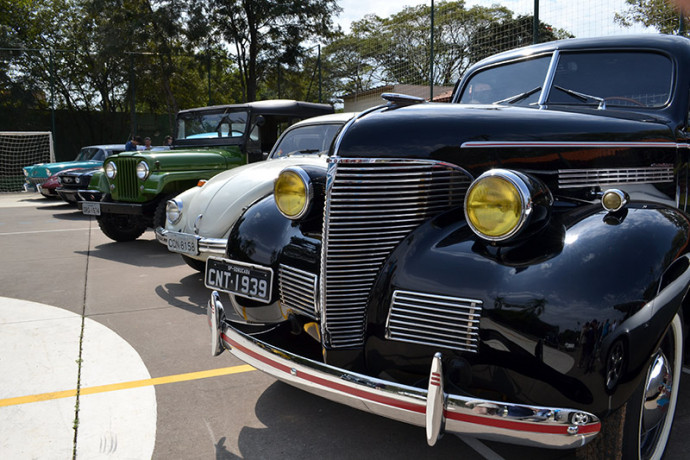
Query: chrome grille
{"type": "Point", "coordinates": [571, 178]}
{"type": "Point", "coordinates": [297, 290]}
{"type": "Point", "coordinates": [371, 206]}
{"type": "Point", "coordinates": [434, 320]}
{"type": "Point", "coordinates": [126, 182]}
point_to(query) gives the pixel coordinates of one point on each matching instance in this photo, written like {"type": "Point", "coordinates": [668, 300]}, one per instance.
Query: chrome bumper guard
{"type": "Point", "coordinates": [431, 408]}
{"type": "Point", "coordinates": [207, 246]}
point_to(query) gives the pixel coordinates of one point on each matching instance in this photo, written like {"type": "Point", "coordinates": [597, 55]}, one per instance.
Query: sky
{"type": "Point", "coordinates": [580, 17]}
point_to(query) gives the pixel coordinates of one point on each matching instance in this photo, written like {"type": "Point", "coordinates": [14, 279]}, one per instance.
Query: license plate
{"type": "Point", "coordinates": [91, 208]}
{"type": "Point", "coordinates": [246, 280]}
{"type": "Point", "coordinates": [183, 243]}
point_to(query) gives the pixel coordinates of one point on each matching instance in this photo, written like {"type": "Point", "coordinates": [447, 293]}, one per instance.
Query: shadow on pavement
{"type": "Point", "coordinates": [139, 253]}
{"type": "Point", "coordinates": [189, 293]}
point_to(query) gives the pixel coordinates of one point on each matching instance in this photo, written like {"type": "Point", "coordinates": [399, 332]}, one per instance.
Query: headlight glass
{"type": "Point", "coordinates": [293, 192]}
{"type": "Point", "coordinates": [48, 173]}
{"type": "Point", "coordinates": [173, 210]}
{"type": "Point", "coordinates": [142, 170]}
{"type": "Point", "coordinates": [496, 205]}
{"type": "Point", "coordinates": [110, 170]}
{"type": "Point", "coordinates": [26, 173]}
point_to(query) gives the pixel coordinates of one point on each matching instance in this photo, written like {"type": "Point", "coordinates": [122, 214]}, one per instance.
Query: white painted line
{"type": "Point", "coordinates": [47, 231]}
{"type": "Point", "coordinates": [40, 348]}
{"type": "Point", "coordinates": [480, 448]}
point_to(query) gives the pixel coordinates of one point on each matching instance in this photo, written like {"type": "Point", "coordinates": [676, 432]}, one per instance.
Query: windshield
{"type": "Point", "coordinates": [306, 140]}
{"type": "Point", "coordinates": [614, 78]}
{"type": "Point", "coordinates": [594, 78]}
{"type": "Point", "coordinates": [504, 82]}
{"type": "Point", "coordinates": [200, 125]}
{"type": "Point", "coordinates": [90, 153]}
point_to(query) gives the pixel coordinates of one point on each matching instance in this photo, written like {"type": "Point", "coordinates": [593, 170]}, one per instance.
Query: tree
{"type": "Point", "coordinates": [509, 33]}
{"type": "Point", "coordinates": [265, 33]}
{"type": "Point", "coordinates": [380, 51]}
{"type": "Point", "coordinates": [659, 14]}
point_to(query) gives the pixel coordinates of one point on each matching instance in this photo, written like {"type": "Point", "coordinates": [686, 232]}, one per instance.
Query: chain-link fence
{"type": "Point", "coordinates": [88, 98]}
{"type": "Point", "coordinates": [396, 53]}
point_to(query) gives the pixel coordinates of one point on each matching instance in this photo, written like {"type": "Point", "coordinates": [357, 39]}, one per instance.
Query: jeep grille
{"type": "Point", "coordinates": [371, 206]}
{"type": "Point", "coordinates": [126, 182]}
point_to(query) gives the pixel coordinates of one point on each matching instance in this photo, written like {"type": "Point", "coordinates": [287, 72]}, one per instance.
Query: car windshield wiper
{"type": "Point", "coordinates": [582, 96]}
{"type": "Point", "coordinates": [518, 97]}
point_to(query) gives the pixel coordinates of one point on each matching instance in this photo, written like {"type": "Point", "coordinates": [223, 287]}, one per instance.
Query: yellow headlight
{"type": "Point", "coordinates": [292, 192]}
{"type": "Point", "coordinates": [495, 206]}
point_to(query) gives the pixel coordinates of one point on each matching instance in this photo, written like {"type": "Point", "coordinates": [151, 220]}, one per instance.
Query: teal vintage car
{"type": "Point", "coordinates": [88, 157]}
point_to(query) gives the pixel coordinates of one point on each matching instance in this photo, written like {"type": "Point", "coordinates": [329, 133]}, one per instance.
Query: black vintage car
{"type": "Point", "coordinates": [511, 266]}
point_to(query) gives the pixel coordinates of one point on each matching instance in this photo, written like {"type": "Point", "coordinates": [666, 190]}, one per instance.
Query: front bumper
{"type": "Point", "coordinates": [69, 195]}
{"type": "Point", "coordinates": [207, 246]}
{"type": "Point", "coordinates": [431, 408]}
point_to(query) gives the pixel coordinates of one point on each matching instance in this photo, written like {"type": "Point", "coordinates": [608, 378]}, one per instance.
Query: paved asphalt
{"type": "Point", "coordinates": [125, 322]}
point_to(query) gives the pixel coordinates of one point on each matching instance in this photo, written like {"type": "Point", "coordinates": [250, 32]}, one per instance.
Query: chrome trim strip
{"type": "Point", "coordinates": [547, 144]}
{"type": "Point", "coordinates": [297, 290]}
{"type": "Point", "coordinates": [548, 81]}
{"type": "Point", "coordinates": [481, 418]}
{"type": "Point", "coordinates": [434, 320]}
{"type": "Point", "coordinates": [572, 178]}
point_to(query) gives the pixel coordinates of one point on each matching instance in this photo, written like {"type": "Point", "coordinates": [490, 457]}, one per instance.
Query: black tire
{"type": "Point", "coordinates": [640, 429]}
{"type": "Point", "coordinates": [197, 265]}
{"type": "Point", "coordinates": [121, 228]}
{"type": "Point", "coordinates": [159, 214]}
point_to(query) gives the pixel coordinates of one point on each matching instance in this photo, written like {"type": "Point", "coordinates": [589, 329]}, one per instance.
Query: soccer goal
{"type": "Point", "coordinates": [19, 149]}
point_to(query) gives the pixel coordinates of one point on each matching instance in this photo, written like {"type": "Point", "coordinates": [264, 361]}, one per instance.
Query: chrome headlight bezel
{"type": "Point", "coordinates": [26, 172]}
{"type": "Point", "coordinates": [307, 187]}
{"type": "Point", "coordinates": [173, 210]}
{"type": "Point", "coordinates": [48, 172]}
{"type": "Point", "coordinates": [143, 170]}
{"type": "Point", "coordinates": [110, 169]}
{"type": "Point", "coordinates": [530, 194]}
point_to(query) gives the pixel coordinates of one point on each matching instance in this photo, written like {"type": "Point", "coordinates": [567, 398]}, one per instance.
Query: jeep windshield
{"type": "Point", "coordinates": [205, 125]}
{"type": "Point", "coordinates": [600, 79]}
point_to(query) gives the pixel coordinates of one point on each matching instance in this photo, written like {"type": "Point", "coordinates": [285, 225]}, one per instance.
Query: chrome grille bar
{"type": "Point", "coordinates": [297, 290]}
{"type": "Point", "coordinates": [371, 206]}
{"type": "Point", "coordinates": [434, 320]}
{"type": "Point", "coordinates": [571, 178]}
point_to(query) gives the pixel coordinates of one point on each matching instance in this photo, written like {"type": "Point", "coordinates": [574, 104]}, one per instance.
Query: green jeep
{"type": "Point", "coordinates": [209, 140]}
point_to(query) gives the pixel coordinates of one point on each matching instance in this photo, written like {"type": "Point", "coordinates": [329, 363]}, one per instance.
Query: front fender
{"type": "Point", "coordinates": [550, 303]}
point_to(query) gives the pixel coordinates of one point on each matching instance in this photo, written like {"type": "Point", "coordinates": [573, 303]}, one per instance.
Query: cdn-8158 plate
{"type": "Point", "coordinates": [246, 280]}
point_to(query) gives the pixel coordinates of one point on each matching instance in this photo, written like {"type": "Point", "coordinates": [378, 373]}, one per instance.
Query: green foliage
{"type": "Point", "coordinates": [380, 51]}
{"type": "Point", "coordinates": [659, 14]}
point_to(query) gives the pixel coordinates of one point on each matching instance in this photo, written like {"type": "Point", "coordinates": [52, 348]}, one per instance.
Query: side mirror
{"type": "Point", "coordinates": [260, 120]}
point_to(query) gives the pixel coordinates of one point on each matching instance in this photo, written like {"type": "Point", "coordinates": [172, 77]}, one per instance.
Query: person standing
{"type": "Point", "coordinates": [131, 145]}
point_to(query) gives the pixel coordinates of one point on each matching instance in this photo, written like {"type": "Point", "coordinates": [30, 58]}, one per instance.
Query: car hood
{"type": "Point", "coordinates": [223, 199]}
{"type": "Point", "coordinates": [445, 132]}
{"type": "Point", "coordinates": [39, 170]}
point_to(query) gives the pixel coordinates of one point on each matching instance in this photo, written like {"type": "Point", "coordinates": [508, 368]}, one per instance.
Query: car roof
{"type": "Point", "coordinates": [272, 107]}
{"type": "Point", "coordinates": [672, 44]}
{"type": "Point", "coordinates": [342, 117]}
{"type": "Point", "coordinates": [105, 146]}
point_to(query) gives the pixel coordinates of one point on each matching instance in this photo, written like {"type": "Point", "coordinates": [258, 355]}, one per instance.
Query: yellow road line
{"type": "Point", "coordinates": [127, 385]}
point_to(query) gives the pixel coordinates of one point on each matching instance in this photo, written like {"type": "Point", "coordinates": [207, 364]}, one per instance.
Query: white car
{"type": "Point", "coordinates": [199, 219]}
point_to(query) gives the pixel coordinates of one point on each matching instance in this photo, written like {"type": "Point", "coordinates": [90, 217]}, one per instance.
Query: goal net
{"type": "Point", "coordinates": [19, 149]}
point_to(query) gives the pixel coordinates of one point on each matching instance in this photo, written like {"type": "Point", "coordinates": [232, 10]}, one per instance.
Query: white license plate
{"type": "Point", "coordinates": [91, 208]}
{"type": "Point", "coordinates": [183, 244]}
{"type": "Point", "coordinates": [246, 280]}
